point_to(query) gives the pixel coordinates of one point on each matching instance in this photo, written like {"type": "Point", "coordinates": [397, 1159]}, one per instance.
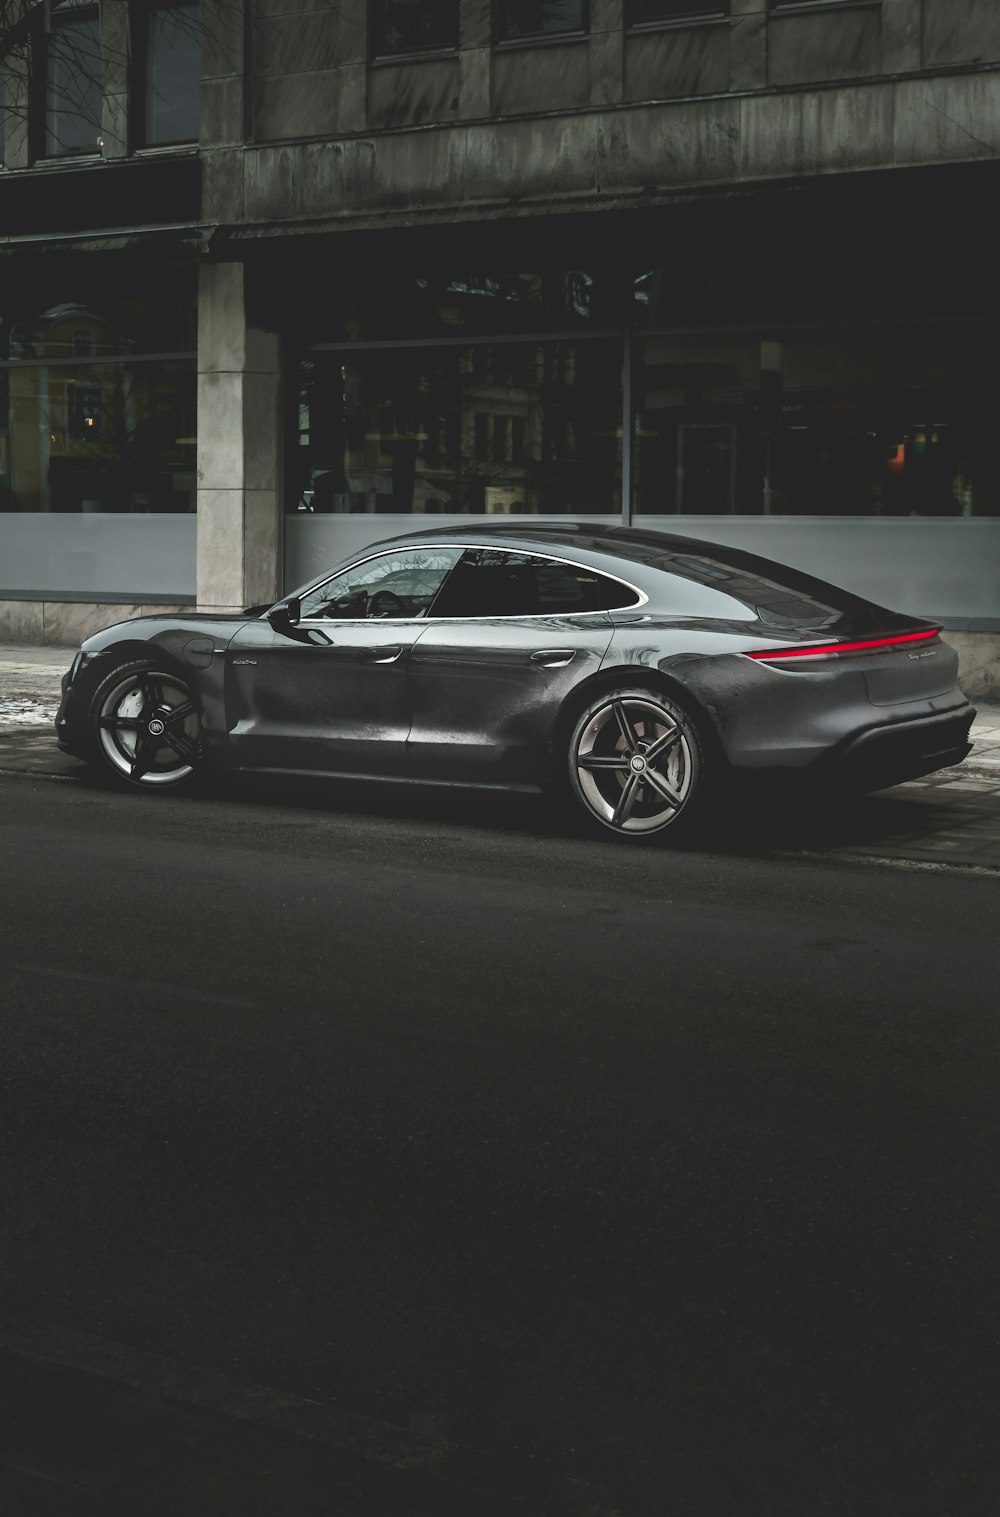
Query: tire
{"type": "Point", "coordinates": [635, 763]}
{"type": "Point", "coordinates": [144, 726]}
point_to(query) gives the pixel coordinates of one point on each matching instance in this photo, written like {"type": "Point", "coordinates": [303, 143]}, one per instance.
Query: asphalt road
{"type": "Point", "coordinates": [670, 1173]}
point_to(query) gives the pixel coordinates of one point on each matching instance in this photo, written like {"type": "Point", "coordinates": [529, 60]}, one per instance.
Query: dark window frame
{"type": "Point", "coordinates": [42, 49]}
{"type": "Point", "coordinates": [503, 36]}
{"type": "Point", "coordinates": [139, 75]}
{"type": "Point", "coordinates": [378, 27]}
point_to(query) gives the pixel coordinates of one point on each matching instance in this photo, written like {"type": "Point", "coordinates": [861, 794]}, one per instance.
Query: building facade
{"type": "Point", "coordinates": [277, 277]}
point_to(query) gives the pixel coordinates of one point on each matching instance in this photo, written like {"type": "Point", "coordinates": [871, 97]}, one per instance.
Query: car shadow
{"type": "Point", "coordinates": [752, 824]}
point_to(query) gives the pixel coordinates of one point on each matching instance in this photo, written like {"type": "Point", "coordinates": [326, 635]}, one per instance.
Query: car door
{"type": "Point", "coordinates": [325, 691]}
{"type": "Point", "coordinates": [507, 640]}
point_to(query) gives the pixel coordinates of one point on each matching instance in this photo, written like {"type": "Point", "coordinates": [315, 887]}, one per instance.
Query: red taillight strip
{"type": "Point", "coordinates": [822, 650]}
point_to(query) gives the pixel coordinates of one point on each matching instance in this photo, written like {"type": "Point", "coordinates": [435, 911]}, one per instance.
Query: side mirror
{"type": "Point", "coordinates": [285, 615]}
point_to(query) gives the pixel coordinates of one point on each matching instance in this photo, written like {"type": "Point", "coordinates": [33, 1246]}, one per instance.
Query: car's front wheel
{"type": "Point", "coordinates": [145, 727]}
{"type": "Point", "coordinates": [635, 762]}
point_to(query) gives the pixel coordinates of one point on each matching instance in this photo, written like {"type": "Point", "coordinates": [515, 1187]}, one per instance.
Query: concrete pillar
{"type": "Point", "coordinates": [239, 438]}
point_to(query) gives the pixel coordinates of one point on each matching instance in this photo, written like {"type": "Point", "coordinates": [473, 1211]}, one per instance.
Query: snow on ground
{"type": "Point", "coordinates": [26, 714]}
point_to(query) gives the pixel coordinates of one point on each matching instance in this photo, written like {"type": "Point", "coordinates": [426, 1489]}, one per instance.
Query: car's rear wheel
{"type": "Point", "coordinates": [635, 762]}
{"type": "Point", "coordinates": [145, 726]}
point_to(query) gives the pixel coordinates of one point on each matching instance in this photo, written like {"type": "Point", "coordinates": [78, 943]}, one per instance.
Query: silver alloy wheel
{"type": "Point", "coordinates": [148, 728]}
{"type": "Point", "coordinates": [635, 762]}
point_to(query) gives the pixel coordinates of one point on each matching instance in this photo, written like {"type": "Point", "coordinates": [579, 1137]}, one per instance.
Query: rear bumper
{"type": "Point", "coordinates": [889, 754]}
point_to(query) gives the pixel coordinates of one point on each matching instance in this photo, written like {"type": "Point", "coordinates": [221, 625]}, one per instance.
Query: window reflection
{"type": "Point", "coordinates": [893, 425]}
{"type": "Point", "coordinates": [98, 438]}
{"type": "Point", "coordinates": [73, 85]}
{"type": "Point", "coordinates": [413, 26]}
{"type": "Point", "coordinates": [496, 428]}
{"type": "Point", "coordinates": [392, 585]}
{"type": "Point", "coordinates": [532, 18]}
{"type": "Point", "coordinates": [394, 305]}
{"type": "Point", "coordinates": [173, 47]}
{"type": "Point", "coordinates": [91, 322]}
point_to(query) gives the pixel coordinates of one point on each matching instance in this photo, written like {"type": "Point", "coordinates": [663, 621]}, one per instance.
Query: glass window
{"type": "Point", "coordinates": [98, 438]}
{"type": "Point", "coordinates": [643, 12]}
{"type": "Point", "coordinates": [534, 18]}
{"type": "Point", "coordinates": [391, 302]}
{"type": "Point", "coordinates": [412, 26]}
{"type": "Point", "coordinates": [392, 585]}
{"type": "Point", "coordinates": [697, 440]}
{"type": "Point", "coordinates": [172, 74]}
{"type": "Point", "coordinates": [89, 318]}
{"type": "Point", "coordinates": [818, 425]}
{"type": "Point", "coordinates": [492, 582]}
{"type": "Point", "coordinates": [73, 84]}
{"type": "Point", "coordinates": [501, 428]}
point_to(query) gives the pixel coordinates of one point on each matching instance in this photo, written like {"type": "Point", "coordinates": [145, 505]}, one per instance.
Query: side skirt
{"type": "Point", "coordinates": [384, 779]}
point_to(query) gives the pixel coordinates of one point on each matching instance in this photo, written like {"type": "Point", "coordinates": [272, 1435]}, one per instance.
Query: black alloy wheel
{"type": "Point", "coordinates": [146, 727]}
{"type": "Point", "coordinates": [635, 762]}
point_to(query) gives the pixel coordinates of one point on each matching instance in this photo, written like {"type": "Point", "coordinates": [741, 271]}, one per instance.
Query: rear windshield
{"type": "Point", "coordinates": [779, 596]}
{"type": "Point", "coordinates": [708, 572]}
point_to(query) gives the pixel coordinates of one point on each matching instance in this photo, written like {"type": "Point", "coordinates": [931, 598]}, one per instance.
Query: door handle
{"type": "Point", "coordinates": [553, 658]}
{"type": "Point", "coordinates": [378, 655]}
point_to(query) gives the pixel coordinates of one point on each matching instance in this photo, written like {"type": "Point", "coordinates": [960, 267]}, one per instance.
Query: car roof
{"type": "Point", "coordinates": [631, 543]}
{"type": "Point", "coordinates": [776, 592]}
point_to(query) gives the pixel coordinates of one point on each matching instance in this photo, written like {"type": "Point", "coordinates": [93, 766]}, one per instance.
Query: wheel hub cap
{"type": "Point", "coordinates": [638, 764]}
{"type": "Point", "coordinates": [157, 727]}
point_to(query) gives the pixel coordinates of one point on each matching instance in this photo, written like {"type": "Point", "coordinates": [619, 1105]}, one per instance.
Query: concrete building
{"type": "Point", "coordinates": [277, 276]}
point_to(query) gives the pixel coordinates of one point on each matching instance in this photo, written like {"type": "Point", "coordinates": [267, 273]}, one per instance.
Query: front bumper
{"type": "Point", "coordinates": [69, 723]}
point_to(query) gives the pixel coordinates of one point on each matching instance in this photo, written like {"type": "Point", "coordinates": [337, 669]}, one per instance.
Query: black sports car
{"type": "Point", "coordinates": [632, 668]}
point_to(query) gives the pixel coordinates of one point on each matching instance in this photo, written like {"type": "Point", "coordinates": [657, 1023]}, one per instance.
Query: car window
{"type": "Point", "coordinates": [391, 585]}
{"type": "Point", "coordinates": [492, 582]}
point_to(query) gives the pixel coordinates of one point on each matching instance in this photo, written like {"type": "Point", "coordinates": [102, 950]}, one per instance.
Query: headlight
{"type": "Point", "coordinates": [79, 663]}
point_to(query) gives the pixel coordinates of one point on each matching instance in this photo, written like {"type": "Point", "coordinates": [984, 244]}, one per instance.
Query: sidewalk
{"type": "Point", "coordinates": [949, 817]}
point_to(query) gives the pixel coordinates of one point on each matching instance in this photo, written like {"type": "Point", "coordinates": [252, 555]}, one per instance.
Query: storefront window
{"type": "Point", "coordinates": [399, 305]}
{"type": "Point", "coordinates": [500, 428]}
{"type": "Point", "coordinates": [98, 438]}
{"type": "Point", "coordinates": [895, 425]}
{"type": "Point", "coordinates": [87, 321]}
{"type": "Point", "coordinates": [697, 447]}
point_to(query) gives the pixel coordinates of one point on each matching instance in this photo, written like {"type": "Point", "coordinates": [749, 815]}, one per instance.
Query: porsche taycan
{"type": "Point", "coordinates": [634, 671]}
